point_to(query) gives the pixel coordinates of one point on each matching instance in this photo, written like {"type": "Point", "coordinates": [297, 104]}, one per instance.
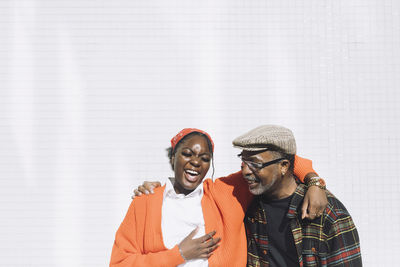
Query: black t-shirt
{"type": "Point", "coordinates": [281, 248]}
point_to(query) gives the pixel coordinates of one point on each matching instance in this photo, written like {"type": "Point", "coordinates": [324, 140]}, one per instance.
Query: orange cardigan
{"type": "Point", "coordinates": [139, 241]}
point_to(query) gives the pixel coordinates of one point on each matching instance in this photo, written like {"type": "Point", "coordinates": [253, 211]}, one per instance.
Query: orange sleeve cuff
{"type": "Point", "coordinates": [302, 167]}
{"type": "Point", "coordinates": [176, 257]}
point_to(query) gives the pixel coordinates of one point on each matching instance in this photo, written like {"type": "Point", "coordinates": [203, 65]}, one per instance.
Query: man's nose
{"type": "Point", "coordinates": [245, 169]}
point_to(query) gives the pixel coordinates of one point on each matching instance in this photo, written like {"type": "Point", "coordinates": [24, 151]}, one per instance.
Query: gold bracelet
{"type": "Point", "coordinates": [318, 181]}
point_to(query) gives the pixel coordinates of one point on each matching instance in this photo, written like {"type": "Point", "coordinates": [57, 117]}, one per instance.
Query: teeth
{"type": "Point", "coordinates": [192, 172]}
{"type": "Point", "coordinates": [251, 179]}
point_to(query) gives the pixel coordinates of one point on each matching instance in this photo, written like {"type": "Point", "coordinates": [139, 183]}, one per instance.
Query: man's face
{"type": "Point", "coordinates": [264, 180]}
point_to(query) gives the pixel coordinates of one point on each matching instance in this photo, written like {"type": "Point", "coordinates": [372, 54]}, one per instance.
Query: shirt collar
{"type": "Point", "coordinates": [170, 191]}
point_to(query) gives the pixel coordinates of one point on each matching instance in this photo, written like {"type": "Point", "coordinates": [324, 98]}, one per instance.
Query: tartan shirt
{"type": "Point", "coordinates": [330, 240]}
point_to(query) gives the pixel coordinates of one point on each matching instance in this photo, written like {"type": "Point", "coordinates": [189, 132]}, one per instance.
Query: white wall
{"type": "Point", "coordinates": [92, 91]}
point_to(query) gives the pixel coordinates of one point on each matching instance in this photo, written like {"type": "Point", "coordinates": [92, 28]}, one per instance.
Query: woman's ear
{"type": "Point", "coordinates": [172, 161]}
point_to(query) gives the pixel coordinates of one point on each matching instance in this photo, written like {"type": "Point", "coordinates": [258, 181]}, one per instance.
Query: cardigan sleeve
{"type": "Point", "coordinates": [302, 167]}
{"type": "Point", "coordinates": [128, 249]}
{"type": "Point", "coordinates": [234, 185]}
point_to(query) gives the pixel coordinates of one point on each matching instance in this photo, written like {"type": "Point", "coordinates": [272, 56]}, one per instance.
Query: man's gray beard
{"type": "Point", "coordinates": [261, 189]}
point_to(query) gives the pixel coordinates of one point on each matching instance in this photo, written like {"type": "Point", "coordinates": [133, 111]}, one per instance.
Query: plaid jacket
{"type": "Point", "coordinates": [331, 240]}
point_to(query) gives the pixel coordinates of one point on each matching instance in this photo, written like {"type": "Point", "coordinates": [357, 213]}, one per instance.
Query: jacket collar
{"type": "Point", "coordinates": [297, 199]}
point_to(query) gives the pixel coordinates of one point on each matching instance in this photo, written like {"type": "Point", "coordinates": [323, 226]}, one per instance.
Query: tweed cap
{"type": "Point", "coordinates": [267, 137]}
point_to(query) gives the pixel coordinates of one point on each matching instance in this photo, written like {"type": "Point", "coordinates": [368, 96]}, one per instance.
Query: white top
{"type": "Point", "coordinates": [181, 215]}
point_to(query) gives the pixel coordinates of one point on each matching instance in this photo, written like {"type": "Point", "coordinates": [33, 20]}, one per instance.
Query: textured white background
{"type": "Point", "coordinates": [92, 91]}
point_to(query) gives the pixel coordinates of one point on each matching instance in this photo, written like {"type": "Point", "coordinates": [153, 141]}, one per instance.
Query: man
{"type": "Point", "coordinates": [276, 234]}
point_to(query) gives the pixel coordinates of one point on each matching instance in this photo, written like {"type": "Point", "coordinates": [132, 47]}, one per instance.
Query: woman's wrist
{"type": "Point", "coordinates": [315, 181]}
{"type": "Point", "coordinates": [180, 251]}
{"type": "Point", "coordinates": [310, 176]}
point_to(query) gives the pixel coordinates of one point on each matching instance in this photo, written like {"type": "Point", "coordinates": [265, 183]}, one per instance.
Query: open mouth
{"type": "Point", "coordinates": [252, 181]}
{"type": "Point", "coordinates": [192, 176]}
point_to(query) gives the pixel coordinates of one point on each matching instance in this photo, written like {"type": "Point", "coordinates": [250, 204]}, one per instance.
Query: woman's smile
{"type": "Point", "coordinates": [192, 176]}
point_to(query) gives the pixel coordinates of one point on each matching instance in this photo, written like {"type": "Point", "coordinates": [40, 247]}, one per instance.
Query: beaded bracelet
{"type": "Point", "coordinates": [180, 251]}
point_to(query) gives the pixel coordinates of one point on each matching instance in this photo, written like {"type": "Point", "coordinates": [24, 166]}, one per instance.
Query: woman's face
{"type": "Point", "coordinates": [191, 162]}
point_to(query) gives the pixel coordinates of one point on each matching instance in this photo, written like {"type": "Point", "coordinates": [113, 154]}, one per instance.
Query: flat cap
{"type": "Point", "coordinates": [267, 137]}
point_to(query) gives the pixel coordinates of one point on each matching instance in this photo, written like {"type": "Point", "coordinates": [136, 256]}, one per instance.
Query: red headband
{"type": "Point", "coordinates": [175, 140]}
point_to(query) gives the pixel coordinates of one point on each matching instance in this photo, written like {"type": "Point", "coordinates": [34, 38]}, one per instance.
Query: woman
{"type": "Point", "coordinates": [158, 228]}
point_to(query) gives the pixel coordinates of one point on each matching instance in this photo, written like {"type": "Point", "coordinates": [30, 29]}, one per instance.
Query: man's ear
{"type": "Point", "coordinates": [284, 166]}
